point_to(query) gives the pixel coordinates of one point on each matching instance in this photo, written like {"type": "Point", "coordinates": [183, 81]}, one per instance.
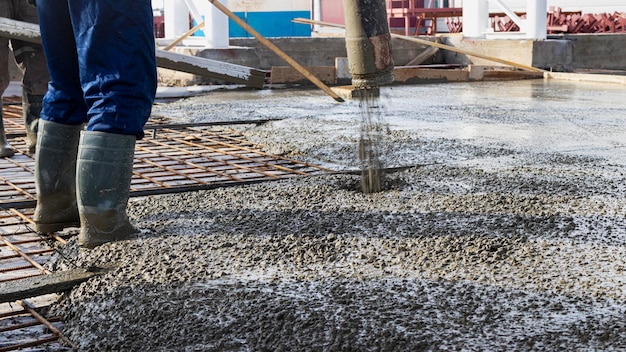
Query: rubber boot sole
{"type": "Point", "coordinates": [54, 227]}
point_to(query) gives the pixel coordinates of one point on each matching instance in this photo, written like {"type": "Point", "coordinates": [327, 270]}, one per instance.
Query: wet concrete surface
{"type": "Point", "coordinates": [506, 231]}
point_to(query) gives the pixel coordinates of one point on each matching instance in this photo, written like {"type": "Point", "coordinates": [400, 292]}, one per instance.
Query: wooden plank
{"type": "Point", "coordinates": [28, 32]}
{"type": "Point", "coordinates": [173, 61]}
{"type": "Point", "coordinates": [418, 74]}
{"type": "Point", "coordinates": [287, 74]}
{"type": "Point", "coordinates": [585, 77]}
{"type": "Point", "coordinates": [433, 44]}
{"type": "Point", "coordinates": [12, 291]}
{"type": "Point", "coordinates": [423, 56]}
{"type": "Point", "coordinates": [277, 50]}
{"type": "Point", "coordinates": [211, 68]}
{"type": "Point", "coordinates": [185, 35]}
{"type": "Point", "coordinates": [507, 75]}
{"type": "Point", "coordinates": [352, 92]}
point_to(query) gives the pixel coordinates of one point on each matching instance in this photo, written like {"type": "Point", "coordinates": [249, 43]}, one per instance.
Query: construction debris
{"type": "Point", "coordinates": [211, 68]}
{"type": "Point", "coordinates": [42, 285]}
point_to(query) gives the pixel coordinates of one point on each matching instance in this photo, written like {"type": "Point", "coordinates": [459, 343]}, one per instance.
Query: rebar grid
{"type": "Point", "coordinates": [168, 160]}
{"type": "Point", "coordinates": [23, 254]}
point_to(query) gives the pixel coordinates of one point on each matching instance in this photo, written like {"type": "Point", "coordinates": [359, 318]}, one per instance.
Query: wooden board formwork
{"type": "Point", "coordinates": [287, 74]}
{"type": "Point", "coordinates": [184, 63]}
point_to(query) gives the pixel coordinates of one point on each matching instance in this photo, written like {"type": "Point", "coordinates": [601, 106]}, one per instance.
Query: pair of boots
{"type": "Point", "coordinates": [83, 179]}
{"type": "Point", "coordinates": [31, 106]}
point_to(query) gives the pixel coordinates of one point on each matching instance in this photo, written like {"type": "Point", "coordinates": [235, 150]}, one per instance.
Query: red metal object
{"type": "Point", "coordinates": [569, 22]}
{"type": "Point", "coordinates": [504, 24]}
{"type": "Point", "coordinates": [418, 17]}
{"type": "Point", "coordinates": [455, 24]}
{"type": "Point", "coordinates": [576, 22]}
{"type": "Point", "coordinates": [159, 26]}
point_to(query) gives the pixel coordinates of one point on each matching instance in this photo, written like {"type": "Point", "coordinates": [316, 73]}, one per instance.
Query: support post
{"type": "Point", "coordinates": [317, 13]}
{"type": "Point", "coordinates": [475, 18]}
{"type": "Point", "coordinates": [536, 19]}
{"type": "Point", "coordinates": [215, 25]}
{"type": "Point", "coordinates": [176, 18]}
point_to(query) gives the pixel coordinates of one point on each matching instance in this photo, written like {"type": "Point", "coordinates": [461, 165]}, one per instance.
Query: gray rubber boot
{"type": "Point", "coordinates": [104, 171]}
{"type": "Point", "coordinates": [5, 147]}
{"type": "Point", "coordinates": [55, 176]}
{"type": "Point", "coordinates": [31, 107]}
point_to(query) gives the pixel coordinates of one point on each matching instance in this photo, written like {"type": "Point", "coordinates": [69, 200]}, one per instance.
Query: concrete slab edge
{"type": "Point", "coordinates": [585, 77]}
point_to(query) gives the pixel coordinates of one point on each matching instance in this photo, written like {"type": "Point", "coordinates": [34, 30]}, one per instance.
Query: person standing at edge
{"type": "Point", "coordinates": [31, 61]}
{"type": "Point", "coordinates": [101, 58]}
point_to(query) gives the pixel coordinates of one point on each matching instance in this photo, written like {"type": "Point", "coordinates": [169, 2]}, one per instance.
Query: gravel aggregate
{"type": "Point", "coordinates": [503, 228]}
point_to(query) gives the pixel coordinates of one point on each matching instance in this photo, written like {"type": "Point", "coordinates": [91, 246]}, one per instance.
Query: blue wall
{"type": "Point", "coordinates": [271, 24]}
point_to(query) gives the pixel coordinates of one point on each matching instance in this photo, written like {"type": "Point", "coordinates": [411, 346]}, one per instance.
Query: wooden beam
{"type": "Point", "coordinates": [185, 35]}
{"type": "Point", "coordinates": [293, 63]}
{"type": "Point", "coordinates": [211, 68]}
{"type": "Point", "coordinates": [185, 63]}
{"type": "Point", "coordinates": [433, 44]}
{"type": "Point", "coordinates": [288, 74]}
{"type": "Point", "coordinates": [352, 92]}
{"type": "Point", "coordinates": [585, 77]}
{"type": "Point", "coordinates": [409, 75]}
{"type": "Point", "coordinates": [423, 56]}
{"type": "Point", "coordinates": [28, 32]}
{"type": "Point", "coordinates": [34, 286]}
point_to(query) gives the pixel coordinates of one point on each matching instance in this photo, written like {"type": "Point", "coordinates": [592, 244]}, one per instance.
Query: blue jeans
{"type": "Point", "coordinates": [101, 58]}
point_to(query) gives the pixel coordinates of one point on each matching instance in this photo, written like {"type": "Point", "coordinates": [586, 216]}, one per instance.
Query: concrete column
{"type": "Point", "coordinates": [475, 18]}
{"type": "Point", "coordinates": [215, 26]}
{"type": "Point", "coordinates": [536, 19]}
{"type": "Point", "coordinates": [317, 13]}
{"type": "Point", "coordinates": [176, 17]}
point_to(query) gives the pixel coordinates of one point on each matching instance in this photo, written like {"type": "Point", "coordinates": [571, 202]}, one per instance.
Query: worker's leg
{"type": "Point", "coordinates": [5, 78]}
{"type": "Point", "coordinates": [5, 147]}
{"type": "Point", "coordinates": [63, 102]}
{"type": "Point", "coordinates": [115, 39]}
{"type": "Point", "coordinates": [31, 60]}
{"type": "Point", "coordinates": [62, 118]}
{"type": "Point", "coordinates": [31, 109]}
{"type": "Point", "coordinates": [118, 73]}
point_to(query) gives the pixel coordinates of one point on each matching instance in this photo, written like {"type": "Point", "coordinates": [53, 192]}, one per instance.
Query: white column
{"type": "Point", "coordinates": [536, 19]}
{"type": "Point", "coordinates": [215, 25]}
{"type": "Point", "coordinates": [176, 18]}
{"type": "Point", "coordinates": [317, 13]}
{"type": "Point", "coordinates": [475, 18]}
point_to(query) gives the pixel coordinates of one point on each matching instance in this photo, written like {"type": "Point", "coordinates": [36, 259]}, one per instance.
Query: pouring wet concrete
{"type": "Point", "coordinates": [506, 231]}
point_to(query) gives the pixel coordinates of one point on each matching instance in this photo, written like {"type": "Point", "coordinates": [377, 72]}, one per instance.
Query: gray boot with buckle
{"type": "Point", "coordinates": [5, 147]}
{"type": "Point", "coordinates": [55, 176]}
{"type": "Point", "coordinates": [31, 105]}
{"type": "Point", "coordinates": [104, 171]}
